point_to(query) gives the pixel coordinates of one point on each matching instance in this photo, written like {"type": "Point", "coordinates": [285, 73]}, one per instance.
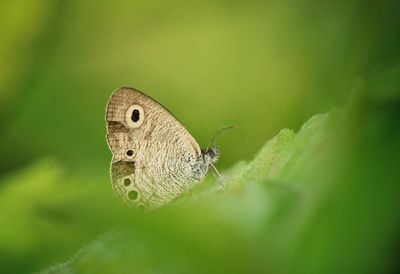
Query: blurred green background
{"type": "Point", "coordinates": [262, 65]}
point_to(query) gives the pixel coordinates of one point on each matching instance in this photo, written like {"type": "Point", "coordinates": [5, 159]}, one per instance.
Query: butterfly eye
{"type": "Point", "coordinates": [134, 116]}
{"type": "Point", "coordinates": [129, 153]}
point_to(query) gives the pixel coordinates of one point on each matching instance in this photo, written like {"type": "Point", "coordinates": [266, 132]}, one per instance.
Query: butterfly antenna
{"type": "Point", "coordinates": [218, 132]}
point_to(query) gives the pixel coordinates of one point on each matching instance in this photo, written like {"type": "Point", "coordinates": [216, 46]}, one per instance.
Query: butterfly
{"type": "Point", "coordinates": [154, 157]}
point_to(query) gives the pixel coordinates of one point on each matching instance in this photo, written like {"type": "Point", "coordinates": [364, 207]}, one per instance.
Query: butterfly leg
{"type": "Point", "coordinates": [189, 196]}
{"type": "Point", "coordinates": [222, 180]}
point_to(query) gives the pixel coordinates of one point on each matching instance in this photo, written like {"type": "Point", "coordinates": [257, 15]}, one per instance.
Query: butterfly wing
{"type": "Point", "coordinates": [154, 157]}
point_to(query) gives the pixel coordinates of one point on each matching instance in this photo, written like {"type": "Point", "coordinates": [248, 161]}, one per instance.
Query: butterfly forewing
{"type": "Point", "coordinates": [155, 122]}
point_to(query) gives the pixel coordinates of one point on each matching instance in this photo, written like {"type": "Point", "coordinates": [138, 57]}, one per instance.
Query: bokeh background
{"type": "Point", "coordinates": [261, 65]}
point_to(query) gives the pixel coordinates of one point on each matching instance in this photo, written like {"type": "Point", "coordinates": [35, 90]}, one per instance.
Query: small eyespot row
{"type": "Point", "coordinates": [132, 193]}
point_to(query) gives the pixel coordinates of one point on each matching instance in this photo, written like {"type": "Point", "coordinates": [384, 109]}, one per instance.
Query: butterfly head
{"type": "Point", "coordinates": [211, 153]}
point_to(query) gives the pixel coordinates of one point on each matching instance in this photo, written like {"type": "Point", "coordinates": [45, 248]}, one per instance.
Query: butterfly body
{"type": "Point", "coordinates": [154, 157]}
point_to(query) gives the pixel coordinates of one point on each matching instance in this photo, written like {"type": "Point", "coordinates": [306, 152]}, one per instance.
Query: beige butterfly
{"type": "Point", "coordinates": [154, 157]}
